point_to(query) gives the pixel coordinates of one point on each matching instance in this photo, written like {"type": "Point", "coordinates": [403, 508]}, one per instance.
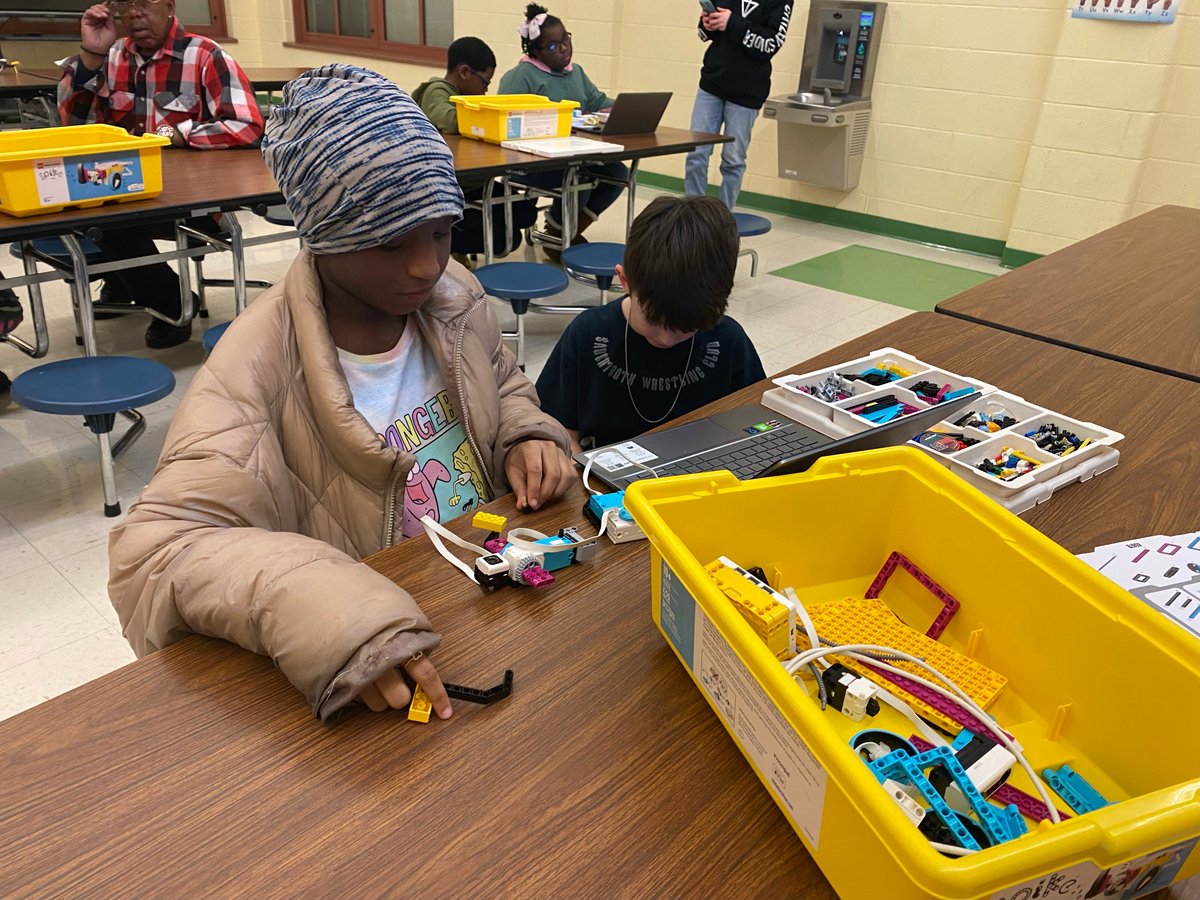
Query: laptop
{"type": "Point", "coordinates": [631, 113]}
{"type": "Point", "coordinates": [751, 442]}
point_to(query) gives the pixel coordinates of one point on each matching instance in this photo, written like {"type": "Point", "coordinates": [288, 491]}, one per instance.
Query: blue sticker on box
{"type": "Point", "coordinates": [677, 614]}
{"type": "Point", "coordinates": [96, 176]}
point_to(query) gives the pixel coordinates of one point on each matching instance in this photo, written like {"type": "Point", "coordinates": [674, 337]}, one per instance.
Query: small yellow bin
{"type": "Point", "coordinates": [512, 117]}
{"type": "Point", "coordinates": [1096, 679]}
{"type": "Point", "coordinates": [45, 170]}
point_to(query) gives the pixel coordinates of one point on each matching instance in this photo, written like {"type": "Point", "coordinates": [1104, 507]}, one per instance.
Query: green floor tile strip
{"type": "Point", "coordinates": [881, 275]}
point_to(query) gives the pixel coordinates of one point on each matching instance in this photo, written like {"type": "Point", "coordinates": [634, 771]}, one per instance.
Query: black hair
{"type": "Point", "coordinates": [470, 51]}
{"type": "Point", "coordinates": [534, 10]}
{"type": "Point", "coordinates": [680, 261]}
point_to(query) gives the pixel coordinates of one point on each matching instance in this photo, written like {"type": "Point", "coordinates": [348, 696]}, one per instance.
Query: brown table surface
{"type": "Point", "coordinates": [482, 158]}
{"type": "Point", "coordinates": [200, 181]}
{"type": "Point", "coordinates": [29, 82]}
{"type": "Point", "coordinates": [25, 82]}
{"type": "Point", "coordinates": [1131, 293]}
{"type": "Point", "coordinates": [604, 774]}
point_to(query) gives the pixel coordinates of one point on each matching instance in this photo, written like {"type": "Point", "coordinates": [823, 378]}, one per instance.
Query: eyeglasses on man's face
{"type": "Point", "coordinates": [120, 7]}
{"type": "Point", "coordinates": [555, 46]}
{"type": "Point", "coordinates": [484, 81]}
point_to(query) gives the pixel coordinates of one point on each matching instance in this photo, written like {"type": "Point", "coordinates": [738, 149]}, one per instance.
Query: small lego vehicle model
{"type": "Point", "coordinates": [110, 173]}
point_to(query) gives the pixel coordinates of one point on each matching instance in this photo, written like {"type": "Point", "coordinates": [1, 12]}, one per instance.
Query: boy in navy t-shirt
{"type": "Point", "coordinates": [667, 347]}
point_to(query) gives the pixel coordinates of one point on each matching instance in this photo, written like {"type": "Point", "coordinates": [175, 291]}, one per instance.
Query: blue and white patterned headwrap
{"type": "Point", "coordinates": [357, 161]}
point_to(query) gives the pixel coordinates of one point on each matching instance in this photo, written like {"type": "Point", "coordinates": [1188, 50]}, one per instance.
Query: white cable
{"type": "Point", "coordinates": [909, 713]}
{"type": "Point", "coordinates": [436, 532]}
{"type": "Point", "coordinates": [526, 539]}
{"type": "Point", "coordinates": [432, 526]}
{"type": "Point", "coordinates": [982, 715]}
{"type": "Point", "coordinates": [809, 628]}
{"type": "Point", "coordinates": [964, 699]}
{"type": "Point", "coordinates": [587, 467]}
{"type": "Point", "coordinates": [950, 849]}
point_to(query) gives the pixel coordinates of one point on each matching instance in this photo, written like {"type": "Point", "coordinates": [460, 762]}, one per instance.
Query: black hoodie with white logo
{"type": "Point", "coordinates": [737, 65]}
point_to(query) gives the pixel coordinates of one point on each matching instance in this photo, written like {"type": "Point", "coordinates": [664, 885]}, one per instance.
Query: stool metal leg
{"type": "Point", "coordinates": [239, 262]}
{"type": "Point", "coordinates": [82, 289]}
{"type": "Point", "coordinates": [134, 431]}
{"type": "Point", "coordinates": [41, 345]}
{"type": "Point", "coordinates": [753, 254]}
{"type": "Point", "coordinates": [101, 425]}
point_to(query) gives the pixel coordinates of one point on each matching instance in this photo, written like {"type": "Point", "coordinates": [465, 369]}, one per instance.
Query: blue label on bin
{"type": "Point", "coordinates": [513, 124]}
{"type": "Point", "coordinates": [104, 175]}
{"type": "Point", "coordinates": [96, 176]}
{"type": "Point", "coordinates": [677, 613]}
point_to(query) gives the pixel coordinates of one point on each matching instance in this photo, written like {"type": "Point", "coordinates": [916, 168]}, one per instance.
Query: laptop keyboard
{"type": "Point", "coordinates": [746, 459]}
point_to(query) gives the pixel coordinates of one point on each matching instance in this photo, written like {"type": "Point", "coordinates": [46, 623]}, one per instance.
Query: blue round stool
{"type": "Point", "coordinates": [597, 261]}
{"type": "Point", "coordinates": [53, 252]}
{"type": "Point", "coordinates": [279, 214]}
{"type": "Point", "coordinates": [748, 226]}
{"type": "Point", "coordinates": [213, 335]}
{"type": "Point", "coordinates": [518, 283]}
{"type": "Point", "coordinates": [97, 388]}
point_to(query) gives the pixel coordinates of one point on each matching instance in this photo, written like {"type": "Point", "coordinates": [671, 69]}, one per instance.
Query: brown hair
{"type": "Point", "coordinates": [680, 261]}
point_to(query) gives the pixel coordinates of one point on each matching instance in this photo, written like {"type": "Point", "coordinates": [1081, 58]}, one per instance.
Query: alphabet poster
{"type": "Point", "coordinates": [1160, 11]}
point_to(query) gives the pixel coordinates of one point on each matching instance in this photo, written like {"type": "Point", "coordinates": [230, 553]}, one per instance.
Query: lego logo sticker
{"type": "Point", "coordinates": [1125, 881]}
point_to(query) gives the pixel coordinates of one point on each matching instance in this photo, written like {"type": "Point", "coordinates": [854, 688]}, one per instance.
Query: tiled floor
{"type": "Point", "coordinates": [57, 629]}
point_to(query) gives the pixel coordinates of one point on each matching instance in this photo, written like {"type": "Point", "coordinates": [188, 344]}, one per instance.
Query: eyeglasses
{"type": "Point", "coordinates": [555, 46]}
{"type": "Point", "coordinates": [120, 7]}
{"type": "Point", "coordinates": [484, 81]}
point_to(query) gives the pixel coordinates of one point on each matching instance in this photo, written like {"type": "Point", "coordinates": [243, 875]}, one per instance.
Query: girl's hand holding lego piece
{"type": "Point", "coordinates": [391, 691]}
{"type": "Point", "coordinates": [538, 471]}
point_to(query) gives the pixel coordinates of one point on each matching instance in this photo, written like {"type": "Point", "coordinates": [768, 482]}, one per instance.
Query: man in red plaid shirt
{"type": "Point", "coordinates": [158, 79]}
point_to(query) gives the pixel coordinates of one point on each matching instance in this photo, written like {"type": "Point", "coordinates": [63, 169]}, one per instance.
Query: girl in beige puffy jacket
{"type": "Point", "coordinates": [287, 462]}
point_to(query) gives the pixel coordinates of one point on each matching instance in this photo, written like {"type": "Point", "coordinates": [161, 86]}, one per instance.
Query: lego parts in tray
{"type": "Point", "coordinates": [1002, 444]}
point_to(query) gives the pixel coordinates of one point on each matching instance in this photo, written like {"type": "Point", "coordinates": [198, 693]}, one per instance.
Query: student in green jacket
{"type": "Point", "coordinates": [546, 69]}
{"type": "Point", "coordinates": [470, 67]}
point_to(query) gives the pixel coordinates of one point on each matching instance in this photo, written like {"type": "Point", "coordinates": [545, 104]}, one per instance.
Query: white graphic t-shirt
{"type": "Point", "coordinates": [401, 394]}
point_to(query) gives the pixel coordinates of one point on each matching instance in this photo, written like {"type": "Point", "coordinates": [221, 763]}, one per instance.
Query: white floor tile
{"type": "Point", "coordinates": [87, 572]}
{"type": "Point", "coordinates": [40, 611]}
{"type": "Point", "coordinates": [62, 669]}
{"type": "Point", "coordinates": [18, 554]}
{"type": "Point", "coordinates": [62, 524]}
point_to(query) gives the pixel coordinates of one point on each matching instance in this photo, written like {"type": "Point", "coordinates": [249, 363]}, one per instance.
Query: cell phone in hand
{"type": "Point", "coordinates": [707, 7]}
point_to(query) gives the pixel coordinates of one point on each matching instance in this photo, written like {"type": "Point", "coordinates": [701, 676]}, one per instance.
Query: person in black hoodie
{"type": "Point", "coordinates": [734, 82]}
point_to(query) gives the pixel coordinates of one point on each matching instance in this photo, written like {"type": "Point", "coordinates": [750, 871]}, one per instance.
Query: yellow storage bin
{"type": "Point", "coordinates": [1096, 679]}
{"type": "Point", "coordinates": [44, 170]}
{"type": "Point", "coordinates": [512, 117]}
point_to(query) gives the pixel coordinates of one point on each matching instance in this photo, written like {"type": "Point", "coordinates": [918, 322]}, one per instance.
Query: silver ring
{"type": "Point", "coordinates": [419, 655]}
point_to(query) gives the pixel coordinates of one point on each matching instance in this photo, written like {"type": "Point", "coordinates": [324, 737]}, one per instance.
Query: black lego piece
{"type": "Point", "coordinates": [484, 695]}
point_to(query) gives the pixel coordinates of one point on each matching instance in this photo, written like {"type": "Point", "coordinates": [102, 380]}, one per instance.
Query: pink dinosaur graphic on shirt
{"type": "Point", "coordinates": [419, 497]}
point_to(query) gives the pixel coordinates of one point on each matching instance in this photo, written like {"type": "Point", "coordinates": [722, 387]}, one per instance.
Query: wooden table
{"type": "Point", "coordinates": [25, 82]}
{"type": "Point", "coordinates": [1131, 293]}
{"type": "Point", "coordinates": [604, 774]}
{"type": "Point", "coordinates": [22, 83]}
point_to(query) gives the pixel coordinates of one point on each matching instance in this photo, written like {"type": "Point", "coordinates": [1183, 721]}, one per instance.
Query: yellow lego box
{"type": "Point", "coordinates": [44, 170]}
{"type": "Point", "coordinates": [1094, 679]}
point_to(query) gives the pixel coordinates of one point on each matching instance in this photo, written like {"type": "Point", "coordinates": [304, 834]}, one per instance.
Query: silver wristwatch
{"type": "Point", "coordinates": [166, 131]}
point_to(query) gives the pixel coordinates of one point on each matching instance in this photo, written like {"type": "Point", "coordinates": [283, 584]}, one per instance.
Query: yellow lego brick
{"type": "Point", "coordinates": [766, 616]}
{"type": "Point", "coordinates": [420, 707]}
{"type": "Point", "coordinates": [489, 521]}
{"type": "Point", "coordinates": [858, 621]}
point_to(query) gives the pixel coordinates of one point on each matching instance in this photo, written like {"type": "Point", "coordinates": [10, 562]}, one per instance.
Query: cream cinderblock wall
{"type": "Point", "coordinates": [1003, 119]}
